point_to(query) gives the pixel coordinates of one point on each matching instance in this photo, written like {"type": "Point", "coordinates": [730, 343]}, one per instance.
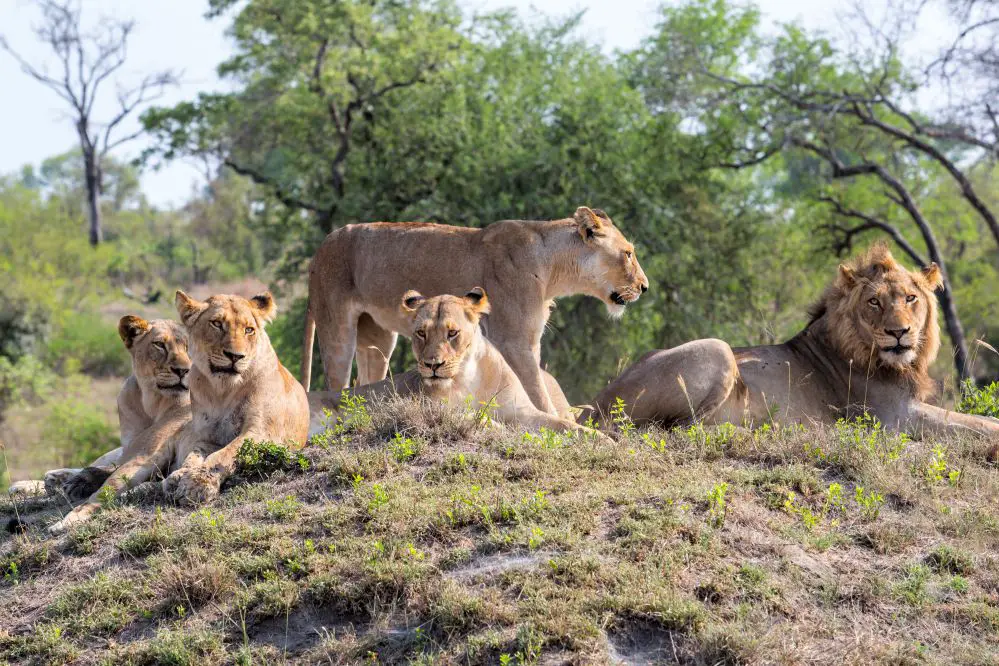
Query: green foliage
{"type": "Point", "coordinates": [982, 401]}
{"type": "Point", "coordinates": [716, 504]}
{"type": "Point", "coordinates": [283, 508]}
{"type": "Point", "coordinates": [80, 431]}
{"type": "Point", "coordinates": [865, 433]}
{"type": "Point", "coordinates": [404, 448]}
{"type": "Point", "coordinates": [264, 458]}
{"type": "Point", "coordinates": [88, 343]}
{"type": "Point", "coordinates": [947, 559]}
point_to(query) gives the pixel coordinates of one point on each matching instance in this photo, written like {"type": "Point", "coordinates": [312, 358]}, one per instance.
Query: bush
{"type": "Point", "coordinates": [80, 431]}
{"type": "Point", "coordinates": [88, 344]}
{"type": "Point", "coordinates": [981, 401]}
{"type": "Point", "coordinates": [265, 458]}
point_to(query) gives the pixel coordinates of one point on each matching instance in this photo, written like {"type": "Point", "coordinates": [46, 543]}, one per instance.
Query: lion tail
{"type": "Point", "coordinates": [308, 341]}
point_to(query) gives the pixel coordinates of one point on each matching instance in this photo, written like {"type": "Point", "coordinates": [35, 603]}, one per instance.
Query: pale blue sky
{"type": "Point", "coordinates": [174, 34]}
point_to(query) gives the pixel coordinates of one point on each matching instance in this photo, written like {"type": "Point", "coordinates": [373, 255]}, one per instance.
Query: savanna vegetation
{"type": "Point", "coordinates": [743, 159]}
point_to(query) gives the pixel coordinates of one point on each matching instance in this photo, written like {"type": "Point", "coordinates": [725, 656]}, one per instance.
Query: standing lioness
{"type": "Point", "coordinates": [361, 272]}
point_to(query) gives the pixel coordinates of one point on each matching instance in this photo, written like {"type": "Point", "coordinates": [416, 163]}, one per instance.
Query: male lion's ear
{"type": "Point", "coordinates": [588, 222]}
{"type": "Point", "coordinates": [130, 328]}
{"type": "Point", "coordinates": [412, 300]}
{"type": "Point", "coordinates": [933, 276]}
{"type": "Point", "coordinates": [188, 308]}
{"type": "Point", "coordinates": [264, 305]}
{"type": "Point", "coordinates": [477, 302]}
{"type": "Point", "coordinates": [847, 277]}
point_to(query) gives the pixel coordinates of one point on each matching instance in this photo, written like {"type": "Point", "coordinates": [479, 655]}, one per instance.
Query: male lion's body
{"type": "Point", "coordinates": [361, 271]}
{"type": "Point", "coordinates": [868, 347]}
{"type": "Point", "coordinates": [153, 406]}
{"type": "Point", "coordinates": [239, 391]}
{"type": "Point", "coordinates": [457, 364]}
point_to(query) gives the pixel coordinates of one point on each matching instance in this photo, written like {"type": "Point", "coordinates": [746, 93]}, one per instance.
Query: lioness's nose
{"type": "Point", "coordinates": [645, 287]}
{"type": "Point", "coordinates": [233, 356]}
{"type": "Point", "coordinates": [433, 365]}
{"type": "Point", "coordinates": [180, 372]}
{"type": "Point", "coordinates": [897, 332]}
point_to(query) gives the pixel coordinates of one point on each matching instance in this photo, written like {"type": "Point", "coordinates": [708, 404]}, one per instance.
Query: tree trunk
{"type": "Point", "coordinates": [955, 330]}
{"type": "Point", "coordinates": [93, 178]}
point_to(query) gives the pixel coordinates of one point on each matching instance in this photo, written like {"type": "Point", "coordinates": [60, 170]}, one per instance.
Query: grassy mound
{"type": "Point", "coordinates": [418, 534]}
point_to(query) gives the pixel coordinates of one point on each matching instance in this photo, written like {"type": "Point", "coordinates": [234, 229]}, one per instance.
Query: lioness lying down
{"type": "Point", "coordinates": [872, 337]}
{"type": "Point", "coordinates": [455, 362]}
{"type": "Point", "coordinates": [362, 270]}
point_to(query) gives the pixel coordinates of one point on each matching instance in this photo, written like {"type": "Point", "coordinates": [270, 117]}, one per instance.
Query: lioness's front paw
{"type": "Point", "coordinates": [192, 485]}
{"type": "Point", "coordinates": [54, 479]}
{"type": "Point", "coordinates": [85, 483]}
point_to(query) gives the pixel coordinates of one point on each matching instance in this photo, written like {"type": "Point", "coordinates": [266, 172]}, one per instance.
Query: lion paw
{"type": "Point", "coordinates": [87, 482]}
{"type": "Point", "coordinates": [192, 486]}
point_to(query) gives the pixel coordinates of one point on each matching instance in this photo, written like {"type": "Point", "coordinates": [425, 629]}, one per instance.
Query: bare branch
{"type": "Point", "coordinates": [869, 222]}
{"type": "Point", "coordinates": [282, 195]}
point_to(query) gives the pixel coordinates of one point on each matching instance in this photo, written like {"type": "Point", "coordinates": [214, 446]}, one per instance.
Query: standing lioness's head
{"type": "Point", "coordinates": [226, 332]}
{"type": "Point", "coordinates": [443, 330]}
{"type": "Point", "coordinates": [609, 269]}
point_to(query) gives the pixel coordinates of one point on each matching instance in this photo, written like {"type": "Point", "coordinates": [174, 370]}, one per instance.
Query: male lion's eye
{"type": "Point", "coordinates": [911, 298]}
{"type": "Point", "coordinates": [217, 324]}
{"type": "Point", "coordinates": [451, 334]}
{"type": "Point", "coordinates": [875, 302]}
{"type": "Point", "coordinates": [248, 330]}
{"type": "Point", "coordinates": [421, 335]}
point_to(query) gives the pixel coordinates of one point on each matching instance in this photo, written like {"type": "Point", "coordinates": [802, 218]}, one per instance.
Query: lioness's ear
{"type": "Point", "coordinates": [477, 302]}
{"type": "Point", "coordinates": [130, 328]}
{"type": "Point", "coordinates": [264, 305]}
{"type": "Point", "coordinates": [588, 223]}
{"type": "Point", "coordinates": [847, 277]}
{"type": "Point", "coordinates": [412, 300]}
{"type": "Point", "coordinates": [188, 308]}
{"type": "Point", "coordinates": [933, 276]}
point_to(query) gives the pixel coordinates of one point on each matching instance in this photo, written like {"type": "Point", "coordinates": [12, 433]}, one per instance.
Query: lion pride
{"type": "Point", "coordinates": [362, 270]}
{"type": "Point", "coordinates": [868, 346]}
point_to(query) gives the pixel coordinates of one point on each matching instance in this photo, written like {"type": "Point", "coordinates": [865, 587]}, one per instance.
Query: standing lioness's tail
{"type": "Point", "coordinates": [307, 343]}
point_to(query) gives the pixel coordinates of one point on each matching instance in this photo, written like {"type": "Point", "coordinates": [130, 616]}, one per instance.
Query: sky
{"type": "Point", "coordinates": [173, 34]}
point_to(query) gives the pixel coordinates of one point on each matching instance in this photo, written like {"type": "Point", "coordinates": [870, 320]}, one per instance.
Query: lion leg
{"type": "Point", "coordinates": [337, 331]}
{"type": "Point", "coordinates": [374, 349]}
{"type": "Point", "coordinates": [694, 381]}
{"type": "Point", "coordinates": [523, 361]}
{"type": "Point", "coordinates": [559, 401]}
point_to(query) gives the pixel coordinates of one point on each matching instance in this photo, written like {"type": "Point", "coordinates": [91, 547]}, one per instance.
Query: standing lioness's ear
{"type": "Point", "coordinates": [188, 308]}
{"type": "Point", "coordinates": [412, 300]}
{"type": "Point", "coordinates": [130, 328]}
{"type": "Point", "coordinates": [588, 223]}
{"type": "Point", "coordinates": [476, 301]}
{"type": "Point", "coordinates": [265, 306]}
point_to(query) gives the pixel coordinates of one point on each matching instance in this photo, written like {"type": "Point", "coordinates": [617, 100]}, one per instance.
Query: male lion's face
{"type": "Point", "coordinates": [227, 332]}
{"type": "Point", "coordinates": [894, 312]}
{"type": "Point", "coordinates": [443, 329]}
{"type": "Point", "coordinates": [159, 353]}
{"type": "Point", "coordinates": [609, 268]}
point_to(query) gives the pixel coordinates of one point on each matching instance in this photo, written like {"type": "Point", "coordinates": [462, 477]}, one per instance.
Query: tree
{"type": "Point", "coordinates": [87, 61]}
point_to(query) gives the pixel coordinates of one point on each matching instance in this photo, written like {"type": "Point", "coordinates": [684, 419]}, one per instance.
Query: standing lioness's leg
{"type": "Point", "coordinates": [374, 349]}
{"type": "Point", "coordinates": [685, 383]}
{"type": "Point", "coordinates": [336, 327]}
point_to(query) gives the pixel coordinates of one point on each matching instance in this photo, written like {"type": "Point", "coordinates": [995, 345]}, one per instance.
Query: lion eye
{"type": "Point", "coordinates": [875, 302]}
{"type": "Point", "coordinates": [249, 330]}
{"type": "Point", "coordinates": [160, 346]}
{"type": "Point", "coordinates": [452, 334]}
{"type": "Point", "coordinates": [627, 254]}
{"type": "Point", "coordinates": [217, 324]}
{"type": "Point", "coordinates": [911, 298]}
{"type": "Point", "coordinates": [421, 335]}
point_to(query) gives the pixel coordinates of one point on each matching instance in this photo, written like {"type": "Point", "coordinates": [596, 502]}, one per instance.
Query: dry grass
{"type": "Point", "coordinates": [472, 544]}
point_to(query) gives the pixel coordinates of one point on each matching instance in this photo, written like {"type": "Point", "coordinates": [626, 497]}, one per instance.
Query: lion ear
{"type": "Point", "coordinates": [412, 300]}
{"type": "Point", "coordinates": [265, 306]}
{"type": "Point", "coordinates": [933, 276]}
{"type": "Point", "coordinates": [477, 302]}
{"type": "Point", "coordinates": [131, 328]}
{"type": "Point", "coordinates": [588, 223]}
{"type": "Point", "coordinates": [847, 277]}
{"type": "Point", "coordinates": [188, 308]}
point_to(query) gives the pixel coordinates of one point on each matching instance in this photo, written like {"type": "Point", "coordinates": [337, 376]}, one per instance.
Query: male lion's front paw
{"type": "Point", "coordinates": [192, 485]}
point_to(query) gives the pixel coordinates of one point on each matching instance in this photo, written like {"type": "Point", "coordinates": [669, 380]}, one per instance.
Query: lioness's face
{"type": "Point", "coordinates": [226, 332]}
{"type": "Point", "coordinates": [893, 308]}
{"type": "Point", "coordinates": [443, 329]}
{"type": "Point", "coordinates": [159, 353]}
{"type": "Point", "coordinates": [609, 267]}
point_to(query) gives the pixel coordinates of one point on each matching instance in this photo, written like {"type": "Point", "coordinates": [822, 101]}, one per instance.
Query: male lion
{"type": "Point", "coordinates": [362, 270]}
{"type": "Point", "coordinates": [871, 338]}
{"type": "Point", "coordinates": [239, 390]}
{"type": "Point", "coordinates": [153, 405]}
{"type": "Point", "coordinates": [455, 362]}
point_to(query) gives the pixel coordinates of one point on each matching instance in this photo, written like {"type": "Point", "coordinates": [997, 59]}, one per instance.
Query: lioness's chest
{"type": "Point", "coordinates": [220, 425]}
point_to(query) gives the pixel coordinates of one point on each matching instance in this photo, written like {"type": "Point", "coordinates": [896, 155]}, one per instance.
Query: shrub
{"type": "Point", "coordinates": [87, 343]}
{"type": "Point", "coordinates": [265, 458]}
{"type": "Point", "coordinates": [80, 431]}
{"type": "Point", "coordinates": [981, 401]}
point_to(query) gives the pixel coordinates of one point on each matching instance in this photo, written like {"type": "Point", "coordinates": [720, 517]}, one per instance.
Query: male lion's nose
{"type": "Point", "coordinates": [897, 332]}
{"type": "Point", "coordinates": [433, 365]}
{"type": "Point", "coordinates": [234, 357]}
{"type": "Point", "coordinates": [180, 372]}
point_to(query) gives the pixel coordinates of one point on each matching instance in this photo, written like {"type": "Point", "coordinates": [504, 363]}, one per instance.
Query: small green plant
{"type": "Point", "coordinates": [283, 508]}
{"type": "Point", "coordinates": [981, 401]}
{"type": "Point", "coordinates": [548, 439]}
{"type": "Point", "coordinates": [711, 439]}
{"type": "Point", "coordinates": [716, 504]}
{"type": "Point", "coordinates": [959, 584]}
{"type": "Point", "coordinates": [13, 574]}
{"type": "Point", "coordinates": [107, 497]}
{"type": "Point", "coordinates": [536, 538]}
{"type": "Point", "coordinates": [620, 417]}
{"type": "Point", "coordinates": [483, 414]}
{"type": "Point", "coordinates": [947, 559]}
{"type": "Point", "coordinates": [866, 433]}
{"type": "Point", "coordinates": [834, 500]}
{"type": "Point", "coordinates": [869, 502]}
{"type": "Point", "coordinates": [352, 415]}
{"type": "Point", "coordinates": [264, 458]}
{"type": "Point", "coordinates": [403, 448]}
{"type": "Point", "coordinates": [658, 445]}
{"type": "Point", "coordinates": [912, 588]}
{"type": "Point", "coordinates": [937, 470]}
{"type": "Point", "coordinates": [809, 518]}
{"type": "Point", "coordinates": [379, 497]}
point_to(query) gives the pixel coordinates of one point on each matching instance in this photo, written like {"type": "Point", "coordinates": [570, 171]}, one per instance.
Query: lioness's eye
{"type": "Point", "coordinates": [911, 298]}
{"type": "Point", "coordinates": [627, 254]}
{"type": "Point", "coordinates": [217, 324]}
{"type": "Point", "coordinates": [875, 302]}
{"type": "Point", "coordinates": [160, 346]}
{"type": "Point", "coordinates": [421, 335]}
{"type": "Point", "coordinates": [248, 330]}
{"type": "Point", "coordinates": [451, 334]}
